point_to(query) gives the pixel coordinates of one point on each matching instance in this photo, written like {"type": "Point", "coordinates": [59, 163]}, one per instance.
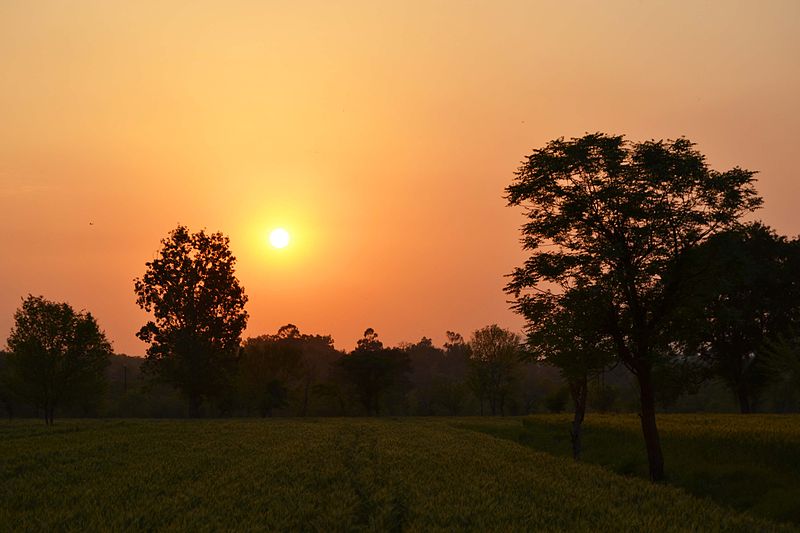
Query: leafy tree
{"type": "Point", "coordinates": [373, 371]}
{"type": "Point", "coordinates": [268, 367]}
{"type": "Point", "coordinates": [566, 332]}
{"type": "Point", "coordinates": [750, 294]}
{"type": "Point", "coordinates": [199, 316]}
{"type": "Point", "coordinates": [58, 356]}
{"type": "Point", "coordinates": [781, 362]}
{"type": "Point", "coordinates": [286, 367]}
{"type": "Point", "coordinates": [495, 360]}
{"type": "Point", "coordinates": [623, 216]}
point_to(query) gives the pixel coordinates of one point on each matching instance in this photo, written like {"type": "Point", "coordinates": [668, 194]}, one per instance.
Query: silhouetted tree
{"type": "Point", "coordinates": [373, 371]}
{"type": "Point", "coordinates": [292, 362]}
{"type": "Point", "coordinates": [6, 395]}
{"type": "Point", "coordinates": [623, 216]}
{"type": "Point", "coordinates": [199, 316]}
{"type": "Point", "coordinates": [751, 294]}
{"type": "Point", "coordinates": [781, 362]}
{"type": "Point", "coordinates": [566, 331]}
{"type": "Point", "coordinates": [495, 359]}
{"type": "Point", "coordinates": [57, 355]}
{"type": "Point", "coordinates": [268, 367]}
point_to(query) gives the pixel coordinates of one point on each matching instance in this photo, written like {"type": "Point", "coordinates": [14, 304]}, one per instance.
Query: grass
{"type": "Point", "coordinates": [321, 475]}
{"type": "Point", "coordinates": [748, 463]}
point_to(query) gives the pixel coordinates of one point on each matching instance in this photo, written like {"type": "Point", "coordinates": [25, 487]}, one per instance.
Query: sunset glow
{"type": "Point", "coordinates": [359, 126]}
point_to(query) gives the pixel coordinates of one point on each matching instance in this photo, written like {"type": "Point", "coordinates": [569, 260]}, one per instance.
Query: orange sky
{"type": "Point", "coordinates": [381, 135]}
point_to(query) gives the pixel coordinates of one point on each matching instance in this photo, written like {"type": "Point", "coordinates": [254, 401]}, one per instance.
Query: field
{"type": "Point", "coordinates": [347, 475]}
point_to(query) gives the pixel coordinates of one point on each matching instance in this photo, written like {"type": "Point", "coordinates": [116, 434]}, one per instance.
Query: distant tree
{"type": "Point", "coordinates": [7, 398]}
{"type": "Point", "coordinates": [267, 369]}
{"type": "Point", "coordinates": [751, 294]}
{"type": "Point", "coordinates": [373, 371]}
{"type": "Point", "coordinates": [295, 364]}
{"type": "Point", "coordinates": [57, 355]}
{"type": "Point", "coordinates": [199, 316]}
{"type": "Point", "coordinates": [623, 216]}
{"type": "Point", "coordinates": [425, 360]}
{"type": "Point", "coordinates": [495, 360]}
{"type": "Point", "coordinates": [781, 361]}
{"type": "Point", "coordinates": [567, 332]}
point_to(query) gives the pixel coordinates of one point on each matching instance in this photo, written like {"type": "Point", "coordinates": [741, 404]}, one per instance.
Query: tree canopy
{"type": "Point", "coordinates": [57, 355]}
{"type": "Point", "coordinates": [198, 313]}
{"type": "Point", "coordinates": [621, 217]}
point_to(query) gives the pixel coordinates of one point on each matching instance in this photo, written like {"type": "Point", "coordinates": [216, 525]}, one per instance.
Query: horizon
{"type": "Point", "coordinates": [381, 143]}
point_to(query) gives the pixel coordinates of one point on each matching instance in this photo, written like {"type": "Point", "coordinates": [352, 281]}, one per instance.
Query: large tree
{"type": "Point", "coordinates": [198, 307]}
{"type": "Point", "coordinates": [749, 295]}
{"type": "Point", "coordinates": [57, 355]}
{"type": "Point", "coordinates": [623, 216]}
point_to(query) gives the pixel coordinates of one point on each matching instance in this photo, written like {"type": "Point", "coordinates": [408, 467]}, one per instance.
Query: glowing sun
{"type": "Point", "coordinates": [279, 238]}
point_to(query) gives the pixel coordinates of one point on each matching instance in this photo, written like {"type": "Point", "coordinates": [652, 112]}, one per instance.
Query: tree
{"type": "Point", "coordinates": [566, 332]}
{"type": "Point", "coordinates": [292, 362]}
{"type": "Point", "coordinates": [199, 316]}
{"type": "Point", "coordinates": [749, 296]}
{"type": "Point", "coordinates": [373, 371]}
{"type": "Point", "coordinates": [495, 358]}
{"type": "Point", "coordinates": [623, 216]}
{"type": "Point", "coordinates": [58, 356]}
{"type": "Point", "coordinates": [782, 362]}
{"type": "Point", "coordinates": [268, 367]}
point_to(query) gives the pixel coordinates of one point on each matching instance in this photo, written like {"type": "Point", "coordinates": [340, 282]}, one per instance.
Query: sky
{"type": "Point", "coordinates": [381, 135]}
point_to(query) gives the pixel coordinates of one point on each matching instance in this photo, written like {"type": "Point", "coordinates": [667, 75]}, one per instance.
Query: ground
{"type": "Point", "coordinates": [409, 474]}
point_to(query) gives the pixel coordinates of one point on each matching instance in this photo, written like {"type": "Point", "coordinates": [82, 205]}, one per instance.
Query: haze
{"type": "Point", "coordinates": [380, 136]}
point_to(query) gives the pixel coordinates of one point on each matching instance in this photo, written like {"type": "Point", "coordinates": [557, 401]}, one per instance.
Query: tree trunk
{"type": "Point", "coordinates": [194, 406]}
{"type": "Point", "coordinates": [304, 410]}
{"type": "Point", "coordinates": [579, 389]}
{"type": "Point", "coordinates": [652, 442]}
{"type": "Point", "coordinates": [745, 407]}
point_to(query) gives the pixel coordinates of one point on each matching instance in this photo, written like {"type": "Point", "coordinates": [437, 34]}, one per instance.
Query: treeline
{"type": "Point", "coordinates": [293, 374]}
{"type": "Point", "coordinates": [290, 373]}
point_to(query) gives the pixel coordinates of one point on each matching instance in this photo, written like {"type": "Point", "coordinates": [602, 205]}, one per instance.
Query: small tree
{"type": "Point", "coordinates": [199, 316]}
{"type": "Point", "coordinates": [58, 356]}
{"type": "Point", "coordinates": [495, 359]}
{"type": "Point", "coordinates": [567, 332]}
{"type": "Point", "coordinates": [605, 212]}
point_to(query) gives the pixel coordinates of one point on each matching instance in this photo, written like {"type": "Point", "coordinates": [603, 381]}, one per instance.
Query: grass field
{"type": "Point", "coordinates": [749, 463]}
{"type": "Point", "coordinates": [324, 475]}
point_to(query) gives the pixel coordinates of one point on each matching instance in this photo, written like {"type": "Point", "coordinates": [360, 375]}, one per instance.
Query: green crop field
{"type": "Point", "coordinates": [343, 475]}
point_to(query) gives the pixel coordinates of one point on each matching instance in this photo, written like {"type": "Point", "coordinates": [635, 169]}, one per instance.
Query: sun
{"type": "Point", "coordinates": [279, 238]}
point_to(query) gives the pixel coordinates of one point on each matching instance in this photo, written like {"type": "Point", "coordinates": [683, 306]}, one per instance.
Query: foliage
{"type": "Point", "coordinates": [373, 372]}
{"type": "Point", "coordinates": [198, 308]}
{"type": "Point", "coordinates": [622, 217]}
{"type": "Point", "coordinates": [749, 295]}
{"type": "Point", "coordinates": [57, 356]}
{"type": "Point", "coordinates": [323, 475]}
{"type": "Point", "coordinates": [495, 354]}
{"type": "Point", "coordinates": [275, 370]}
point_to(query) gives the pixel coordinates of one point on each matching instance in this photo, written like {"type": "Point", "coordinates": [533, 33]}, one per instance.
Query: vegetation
{"type": "Point", "coordinates": [622, 218]}
{"type": "Point", "coordinates": [321, 475]}
{"type": "Point", "coordinates": [199, 316]}
{"type": "Point", "coordinates": [57, 356]}
{"type": "Point", "coordinates": [745, 463]}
